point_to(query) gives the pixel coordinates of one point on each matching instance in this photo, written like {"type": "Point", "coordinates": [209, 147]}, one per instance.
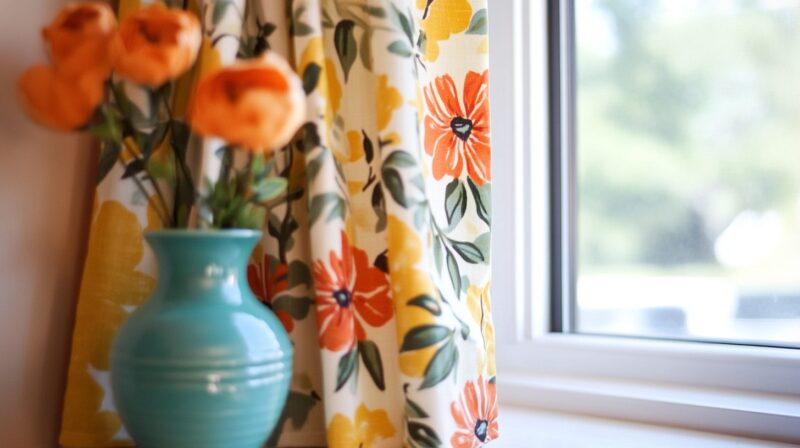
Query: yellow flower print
{"type": "Point", "coordinates": [354, 150]}
{"type": "Point", "coordinates": [368, 427]}
{"type": "Point", "coordinates": [387, 100]}
{"type": "Point", "coordinates": [408, 283]}
{"type": "Point", "coordinates": [110, 285]}
{"type": "Point", "coordinates": [444, 17]}
{"type": "Point", "coordinates": [328, 85]}
{"type": "Point", "coordinates": [480, 307]}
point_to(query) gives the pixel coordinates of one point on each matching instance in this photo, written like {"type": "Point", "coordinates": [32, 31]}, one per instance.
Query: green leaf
{"type": "Point", "coordinates": [369, 149]}
{"type": "Point", "coordinates": [108, 130]}
{"type": "Point", "coordinates": [455, 202]}
{"type": "Point", "coordinates": [374, 11]}
{"type": "Point", "coordinates": [299, 274]}
{"type": "Point", "coordinates": [311, 138]}
{"type": "Point", "coordinates": [453, 272]}
{"type": "Point", "coordinates": [382, 261]}
{"type": "Point", "coordinates": [443, 362]}
{"type": "Point", "coordinates": [423, 435]}
{"type": "Point", "coordinates": [297, 27]}
{"type": "Point", "coordinates": [468, 251]}
{"type": "Point", "coordinates": [259, 165]}
{"type": "Point", "coordinates": [338, 211]}
{"type": "Point", "coordinates": [250, 217]}
{"type": "Point", "coordinates": [371, 357]}
{"type": "Point", "coordinates": [297, 307]}
{"type": "Point", "coordinates": [404, 23]}
{"type": "Point", "coordinates": [424, 336]}
{"type": "Point", "coordinates": [347, 365]}
{"type": "Point", "coordinates": [301, 29]}
{"type": "Point", "coordinates": [437, 252]}
{"type": "Point", "coordinates": [321, 201]}
{"type": "Point", "coordinates": [379, 207]}
{"type": "Point", "coordinates": [420, 215]}
{"type": "Point", "coordinates": [269, 188]}
{"type": "Point", "coordinates": [478, 24]}
{"type": "Point", "coordinates": [366, 49]}
{"type": "Point", "coordinates": [400, 48]}
{"type": "Point", "coordinates": [394, 183]}
{"type": "Point", "coordinates": [108, 158]}
{"type": "Point", "coordinates": [179, 138]}
{"type": "Point", "coordinates": [483, 200]}
{"type": "Point", "coordinates": [419, 182]}
{"type": "Point", "coordinates": [345, 44]}
{"type": "Point", "coordinates": [484, 243]}
{"type": "Point", "coordinates": [298, 407]}
{"type": "Point", "coordinates": [422, 42]}
{"type": "Point", "coordinates": [428, 303]}
{"type": "Point", "coordinates": [220, 8]}
{"type": "Point", "coordinates": [311, 77]}
{"type": "Point", "coordinates": [400, 159]}
{"type": "Point", "coordinates": [133, 168]}
{"type": "Point", "coordinates": [413, 410]}
{"type": "Point", "coordinates": [151, 140]}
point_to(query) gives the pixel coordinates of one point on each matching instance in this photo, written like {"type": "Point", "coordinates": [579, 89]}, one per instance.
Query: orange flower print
{"type": "Point", "coordinates": [267, 279]}
{"type": "Point", "coordinates": [475, 414]}
{"type": "Point", "coordinates": [457, 131]}
{"type": "Point", "coordinates": [350, 292]}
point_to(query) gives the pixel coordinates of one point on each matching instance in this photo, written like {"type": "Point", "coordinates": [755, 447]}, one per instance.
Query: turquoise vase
{"type": "Point", "coordinates": [202, 364]}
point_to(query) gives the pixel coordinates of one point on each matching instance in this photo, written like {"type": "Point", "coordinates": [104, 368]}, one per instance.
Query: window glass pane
{"type": "Point", "coordinates": [688, 165]}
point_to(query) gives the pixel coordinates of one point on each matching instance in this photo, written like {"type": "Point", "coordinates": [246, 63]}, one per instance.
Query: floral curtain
{"type": "Point", "coordinates": [377, 260]}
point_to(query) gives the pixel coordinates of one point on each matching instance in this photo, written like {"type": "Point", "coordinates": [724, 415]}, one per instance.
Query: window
{"type": "Point", "coordinates": [575, 213]}
{"type": "Point", "coordinates": [687, 169]}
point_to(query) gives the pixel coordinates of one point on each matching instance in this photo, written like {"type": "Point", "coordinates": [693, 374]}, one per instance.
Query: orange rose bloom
{"type": "Point", "coordinates": [82, 40]}
{"type": "Point", "coordinates": [58, 101]}
{"type": "Point", "coordinates": [157, 44]}
{"type": "Point", "coordinates": [257, 104]}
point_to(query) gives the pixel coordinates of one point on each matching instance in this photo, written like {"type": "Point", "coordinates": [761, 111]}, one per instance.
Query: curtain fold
{"type": "Point", "coordinates": [377, 260]}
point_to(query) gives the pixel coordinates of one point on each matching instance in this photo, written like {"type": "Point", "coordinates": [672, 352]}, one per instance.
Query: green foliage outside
{"type": "Point", "coordinates": [688, 113]}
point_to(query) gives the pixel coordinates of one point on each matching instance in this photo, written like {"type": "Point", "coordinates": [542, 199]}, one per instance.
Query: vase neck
{"type": "Point", "coordinates": [202, 263]}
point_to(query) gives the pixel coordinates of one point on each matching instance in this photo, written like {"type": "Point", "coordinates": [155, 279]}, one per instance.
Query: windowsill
{"type": "Point", "coordinates": [522, 427]}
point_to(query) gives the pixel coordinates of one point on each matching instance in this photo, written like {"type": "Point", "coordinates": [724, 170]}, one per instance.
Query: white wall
{"type": "Point", "coordinates": [44, 204]}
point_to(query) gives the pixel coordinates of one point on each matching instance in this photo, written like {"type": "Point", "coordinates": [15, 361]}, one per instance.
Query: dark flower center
{"type": "Point", "coordinates": [462, 127]}
{"type": "Point", "coordinates": [481, 427]}
{"type": "Point", "coordinates": [342, 297]}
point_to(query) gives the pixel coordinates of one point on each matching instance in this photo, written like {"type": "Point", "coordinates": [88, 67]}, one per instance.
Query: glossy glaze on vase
{"type": "Point", "coordinates": [202, 364]}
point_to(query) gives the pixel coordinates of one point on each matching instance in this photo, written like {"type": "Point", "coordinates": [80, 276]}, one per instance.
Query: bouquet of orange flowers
{"type": "Point", "coordinates": [98, 65]}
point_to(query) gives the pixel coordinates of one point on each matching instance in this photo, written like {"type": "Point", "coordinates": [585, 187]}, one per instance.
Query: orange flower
{"type": "Point", "coordinates": [268, 279]}
{"type": "Point", "coordinates": [475, 414]}
{"type": "Point", "coordinates": [454, 135]}
{"type": "Point", "coordinates": [349, 291]}
{"type": "Point", "coordinates": [257, 104]}
{"type": "Point", "coordinates": [57, 101]}
{"type": "Point", "coordinates": [157, 44]}
{"type": "Point", "coordinates": [82, 40]}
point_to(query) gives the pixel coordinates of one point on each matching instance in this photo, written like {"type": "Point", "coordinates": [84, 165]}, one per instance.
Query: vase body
{"type": "Point", "coordinates": [202, 364]}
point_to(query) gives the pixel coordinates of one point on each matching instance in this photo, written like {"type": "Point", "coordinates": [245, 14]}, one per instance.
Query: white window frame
{"type": "Point", "coordinates": [738, 390]}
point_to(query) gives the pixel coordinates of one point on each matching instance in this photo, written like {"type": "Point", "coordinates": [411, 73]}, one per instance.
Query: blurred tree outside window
{"type": "Point", "coordinates": [688, 169]}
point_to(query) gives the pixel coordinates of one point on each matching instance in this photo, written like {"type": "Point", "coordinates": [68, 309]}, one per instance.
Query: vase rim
{"type": "Point", "coordinates": [198, 233]}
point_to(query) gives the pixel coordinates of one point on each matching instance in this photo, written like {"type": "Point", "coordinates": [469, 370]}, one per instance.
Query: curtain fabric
{"type": "Point", "coordinates": [376, 262]}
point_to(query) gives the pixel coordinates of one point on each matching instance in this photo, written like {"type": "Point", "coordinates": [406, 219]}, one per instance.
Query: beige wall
{"type": "Point", "coordinates": [43, 208]}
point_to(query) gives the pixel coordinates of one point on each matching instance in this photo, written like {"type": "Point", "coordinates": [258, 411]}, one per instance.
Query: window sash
{"type": "Point", "coordinates": [742, 390]}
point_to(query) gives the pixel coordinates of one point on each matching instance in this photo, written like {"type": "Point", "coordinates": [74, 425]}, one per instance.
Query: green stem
{"type": "Point", "coordinates": [143, 190]}
{"type": "Point", "coordinates": [159, 193]}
